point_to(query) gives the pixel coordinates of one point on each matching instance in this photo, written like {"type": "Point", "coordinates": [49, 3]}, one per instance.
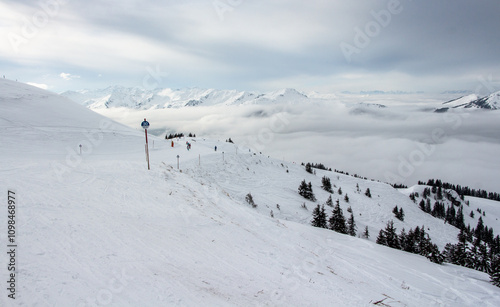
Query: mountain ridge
{"type": "Point", "coordinates": [137, 98]}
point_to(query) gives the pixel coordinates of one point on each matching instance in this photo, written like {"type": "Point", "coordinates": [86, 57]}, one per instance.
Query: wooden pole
{"type": "Point", "coordinates": [147, 148]}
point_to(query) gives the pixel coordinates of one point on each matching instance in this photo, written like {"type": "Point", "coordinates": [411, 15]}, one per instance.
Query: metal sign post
{"type": "Point", "coordinates": [145, 125]}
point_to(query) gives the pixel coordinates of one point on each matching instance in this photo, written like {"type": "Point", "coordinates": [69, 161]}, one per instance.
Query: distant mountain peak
{"type": "Point", "coordinates": [472, 101]}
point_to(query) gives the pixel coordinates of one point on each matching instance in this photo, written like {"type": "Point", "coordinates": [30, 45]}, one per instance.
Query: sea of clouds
{"type": "Point", "coordinates": [401, 143]}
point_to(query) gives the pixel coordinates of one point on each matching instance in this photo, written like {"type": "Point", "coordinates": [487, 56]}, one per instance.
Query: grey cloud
{"type": "Point", "coordinates": [273, 42]}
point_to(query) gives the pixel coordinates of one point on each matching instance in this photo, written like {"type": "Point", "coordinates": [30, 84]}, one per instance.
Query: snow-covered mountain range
{"type": "Point", "coordinates": [137, 98]}
{"type": "Point", "coordinates": [95, 227]}
{"type": "Point", "coordinates": [142, 99]}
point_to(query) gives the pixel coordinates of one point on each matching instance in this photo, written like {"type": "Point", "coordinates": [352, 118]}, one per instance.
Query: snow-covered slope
{"type": "Point", "coordinates": [137, 98]}
{"type": "Point", "coordinates": [98, 228]}
{"type": "Point", "coordinates": [490, 102]}
{"type": "Point", "coordinates": [461, 102]}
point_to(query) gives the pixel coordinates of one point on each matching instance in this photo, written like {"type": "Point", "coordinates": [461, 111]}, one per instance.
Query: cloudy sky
{"type": "Point", "coordinates": [322, 45]}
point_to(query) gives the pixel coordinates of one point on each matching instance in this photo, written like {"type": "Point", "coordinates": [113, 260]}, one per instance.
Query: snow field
{"type": "Point", "coordinates": [103, 230]}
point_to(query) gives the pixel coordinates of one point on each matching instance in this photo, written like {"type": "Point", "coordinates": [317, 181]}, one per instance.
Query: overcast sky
{"type": "Point", "coordinates": [322, 45]}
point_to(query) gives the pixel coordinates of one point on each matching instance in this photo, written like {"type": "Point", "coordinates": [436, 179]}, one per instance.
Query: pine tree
{"type": "Point", "coordinates": [381, 238]}
{"type": "Point", "coordinates": [481, 259]}
{"type": "Point", "coordinates": [439, 193]}
{"type": "Point", "coordinates": [495, 246]}
{"type": "Point", "coordinates": [346, 198]}
{"type": "Point", "coordinates": [340, 191]}
{"type": "Point", "coordinates": [366, 233]}
{"type": "Point", "coordinates": [451, 215]}
{"type": "Point", "coordinates": [329, 201]}
{"type": "Point", "coordinates": [424, 244]}
{"type": "Point", "coordinates": [459, 220]}
{"type": "Point", "coordinates": [351, 226]}
{"type": "Point", "coordinates": [428, 206]}
{"type": "Point", "coordinates": [319, 217]}
{"type": "Point", "coordinates": [495, 271]}
{"type": "Point", "coordinates": [303, 189]}
{"type": "Point", "coordinates": [326, 184]}
{"type": "Point", "coordinates": [368, 193]}
{"type": "Point", "coordinates": [391, 236]}
{"type": "Point", "coordinates": [433, 254]}
{"type": "Point", "coordinates": [399, 213]}
{"type": "Point", "coordinates": [407, 241]}
{"type": "Point", "coordinates": [478, 233]}
{"type": "Point", "coordinates": [422, 205]}
{"type": "Point", "coordinates": [395, 210]}
{"type": "Point", "coordinates": [462, 256]}
{"type": "Point", "coordinates": [388, 236]}
{"type": "Point", "coordinates": [311, 193]}
{"type": "Point", "coordinates": [337, 220]}
{"type": "Point", "coordinates": [450, 252]}
{"type": "Point", "coordinates": [309, 168]}
{"type": "Point", "coordinates": [249, 199]}
{"type": "Point", "coordinates": [435, 209]}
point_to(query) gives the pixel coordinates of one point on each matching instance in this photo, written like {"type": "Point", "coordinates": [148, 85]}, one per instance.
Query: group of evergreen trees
{"type": "Point", "coordinates": [336, 222]}
{"type": "Point", "coordinates": [306, 191]}
{"type": "Point", "coordinates": [178, 135]}
{"type": "Point", "coordinates": [462, 191]}
{"type": "Point", "coordinates": [399, 213]}
{"type": "Point", "coordinates": [399, 186]}
{"type": "Point", "coordinates": [416, 241]}
{"type": "Point", "coordinates": [326, 184]}
{"type": "Point", "coordinates": [451, 215]}
{"type": "Point", "coordinates": [477, 248]}
{"type": "Point", "coordinates": [309, 166]}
